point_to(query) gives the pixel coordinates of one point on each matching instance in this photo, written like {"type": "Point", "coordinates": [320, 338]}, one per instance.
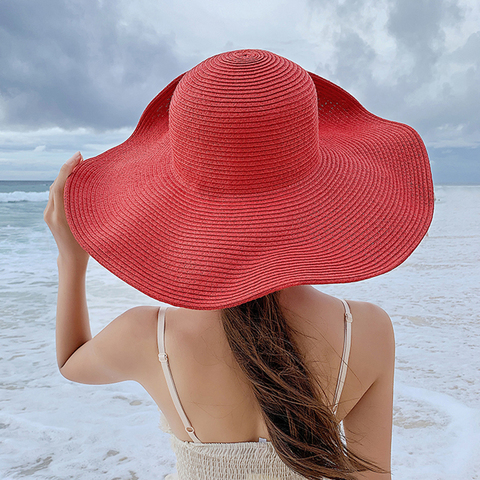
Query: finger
{"type": "Point", "coordinates": [67, 168]}
{"type": "Point", "coordinates": [73, 160]}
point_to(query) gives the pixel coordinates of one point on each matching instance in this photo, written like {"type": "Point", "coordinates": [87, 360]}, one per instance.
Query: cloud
{"type": "Point", "coordinates": [77, 63]}
{"type": "Point", "coordinates": [39, 154]}
{"type": "Point", "coordinates": [418, 27]}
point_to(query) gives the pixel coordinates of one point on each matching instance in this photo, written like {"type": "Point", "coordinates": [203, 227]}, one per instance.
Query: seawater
{"type": "Point", "coordinates": [51, 428]}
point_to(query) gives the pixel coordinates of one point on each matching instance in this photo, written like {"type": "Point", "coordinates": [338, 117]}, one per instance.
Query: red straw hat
{"type": "Point", "coordinates": [247, 175]}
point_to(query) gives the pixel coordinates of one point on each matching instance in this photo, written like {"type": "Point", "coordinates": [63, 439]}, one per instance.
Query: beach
{"type": "Point", "coordinates": [51, 428]}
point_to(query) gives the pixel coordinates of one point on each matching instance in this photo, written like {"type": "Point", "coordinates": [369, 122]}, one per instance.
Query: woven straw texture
{"type": "Point", "coordinates": [246, 175]}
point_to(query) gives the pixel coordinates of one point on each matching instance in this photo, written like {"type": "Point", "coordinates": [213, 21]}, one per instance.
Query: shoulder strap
{"type": "Point", "coordinates": [162, 356]}
{"type": "Point", "coordinates": [345, 355]}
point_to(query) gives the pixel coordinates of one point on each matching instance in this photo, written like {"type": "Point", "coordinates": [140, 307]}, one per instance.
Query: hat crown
{"type": "Point", "coordinates": [244, 121]}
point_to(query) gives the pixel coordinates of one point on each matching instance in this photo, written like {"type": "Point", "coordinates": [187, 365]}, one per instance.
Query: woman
{"type": "Point", "coordinates": [246, 180]}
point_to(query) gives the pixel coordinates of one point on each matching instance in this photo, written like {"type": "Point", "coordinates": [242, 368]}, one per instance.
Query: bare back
{"type": "Point", "coordinates": [213, 390]}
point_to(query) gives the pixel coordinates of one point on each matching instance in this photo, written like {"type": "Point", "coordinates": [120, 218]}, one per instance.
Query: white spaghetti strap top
{"type": "Point", "coordinates": [162, 356]}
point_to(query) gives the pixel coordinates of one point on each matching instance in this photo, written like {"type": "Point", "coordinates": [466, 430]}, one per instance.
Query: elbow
{"type": "Point", "coordinates": [64, 371]}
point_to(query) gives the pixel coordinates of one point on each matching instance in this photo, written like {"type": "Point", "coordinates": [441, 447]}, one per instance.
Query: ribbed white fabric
{"type": "Point", "coordinates": [229, 461]}
{"type": "Point", "coordinates": [235, 461]}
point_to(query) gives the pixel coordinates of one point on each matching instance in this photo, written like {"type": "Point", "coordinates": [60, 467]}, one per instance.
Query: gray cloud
{"type": "Point", "coordinates": [76, 64]}
{"type": "Point", "coordinates": [355, 57]}
{"type": "Point", "coordinates": [417, 27]}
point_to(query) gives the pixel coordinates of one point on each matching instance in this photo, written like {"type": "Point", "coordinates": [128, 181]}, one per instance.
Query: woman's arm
{"type": "Point", "coordinates": [72, 325]}
{"type": "Point", "coordinates": [117, 352]}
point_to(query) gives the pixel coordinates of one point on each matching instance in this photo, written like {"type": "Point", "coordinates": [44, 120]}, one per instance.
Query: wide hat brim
{"type": "Point", "coordinates": [359, 213]}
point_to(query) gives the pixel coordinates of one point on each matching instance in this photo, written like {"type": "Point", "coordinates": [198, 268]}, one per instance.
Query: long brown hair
{"type": "Point", "coordinates": [302, 427]}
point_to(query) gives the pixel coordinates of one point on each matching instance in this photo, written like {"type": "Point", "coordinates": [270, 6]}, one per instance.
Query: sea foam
{"type": "Point", "coordinates": [11, 197]}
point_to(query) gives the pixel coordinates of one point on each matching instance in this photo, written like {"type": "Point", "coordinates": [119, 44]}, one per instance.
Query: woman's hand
{"type": "Point", "coordinates": [54, 215]}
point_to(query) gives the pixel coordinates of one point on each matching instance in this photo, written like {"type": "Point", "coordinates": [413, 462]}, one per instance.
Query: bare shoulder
{"type": "Point", "coordinates": [135, 327]}
{"type": "Point", "coordinates": [373, 330]}
{"type": "Point", "coordinates": [137, 335]}
{"type": "Point", "coordinates": [121, 351]}
{"type": "Point", "coordinates": [139, 322]}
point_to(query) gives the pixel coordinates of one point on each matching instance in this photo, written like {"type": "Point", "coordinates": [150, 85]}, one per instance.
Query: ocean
{"type": "Point", "coordinates": [51, 428]}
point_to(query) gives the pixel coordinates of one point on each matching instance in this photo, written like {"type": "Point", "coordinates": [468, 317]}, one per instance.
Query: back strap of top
{"type": "Point", "coordinates": [162, 356]}
{"type": "Point", "coordinates": [347, 341]}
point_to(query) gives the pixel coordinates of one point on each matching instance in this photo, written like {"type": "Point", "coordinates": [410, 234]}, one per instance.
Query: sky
{"type": "Point", "coordinates": [77, 74]}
